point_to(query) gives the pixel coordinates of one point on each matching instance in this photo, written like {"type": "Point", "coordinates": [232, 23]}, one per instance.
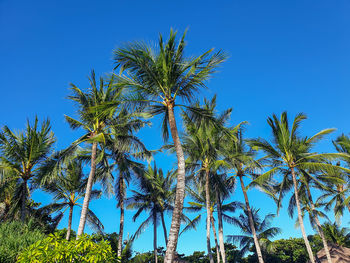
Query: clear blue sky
{"type": "Point", "coordinates": [284, 55]}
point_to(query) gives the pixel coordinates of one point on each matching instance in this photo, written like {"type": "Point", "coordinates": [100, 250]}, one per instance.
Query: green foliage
{"type": "Point", "coordinates": [16, 236]}
{"type": "Point", "coordinates": [336, 234]}
{"type": "Point", "coordinates": [147, 257]}
{"type": "Point", "coordinates": [56, 249]}
{"type": "Point", "coordinates": [290, 250]}
{"type": "Point", "coordinates": [112, 238]}
{"type": "Point", "coordinates": [62, 233]}
{"type": "Point", "coordinates": [233, 255]}
{"type": "Point", "coordinates": [197, 256]}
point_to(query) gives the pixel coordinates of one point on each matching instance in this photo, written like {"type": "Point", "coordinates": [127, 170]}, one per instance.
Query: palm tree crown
{"type": "Point", "coordinates": [23, 156]}
{"type": "Point", "coordinates": [68, 189]}
{"type": "Point", "coordinates": [263, 229]}
{"type": "Point", "coordinates": [337, 235]}
{"type": "Point", "coordinates": [159, 77]}
{"type": "Point", "coordinates": [156, 197]}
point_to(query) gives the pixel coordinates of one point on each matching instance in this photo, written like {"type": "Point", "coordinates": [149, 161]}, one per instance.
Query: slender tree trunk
{"type": "Point", "coordinates": [207, 202]}
{"type": "Point", "coordinates": [180, 189]}
{"type": "Point", "coordinates": [301, 223]}
{"type": "Point", "coordinates": [215, 237]}
{"type": "Point", "coordinates": [24, 201]}
{"type": "Point", "coordinates": [221, 229]}
{"type": "Point", "coordinates": [155, 237]}
{"type": "Point", "coordinates": [121, 222]}
{"type": "Point", "coordinates": [319, 227]}
{"type": "Point", "coordinates": [164, 228]}
{"type": "Point", "coordinates": [89, 184]}
{"type": "Point", "coordinates": [69, 228]}
{"type": "Point", "coordinates": [251, 221]}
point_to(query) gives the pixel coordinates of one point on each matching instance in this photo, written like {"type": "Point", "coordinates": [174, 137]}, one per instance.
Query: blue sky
{"type": "Point", "coordinates": [284, 55]}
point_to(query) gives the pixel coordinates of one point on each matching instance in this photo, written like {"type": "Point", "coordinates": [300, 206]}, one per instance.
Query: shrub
{"type": "Point", "coordinates": [56, 249]}
{"type": "Point", "coordinates": [16, 236]}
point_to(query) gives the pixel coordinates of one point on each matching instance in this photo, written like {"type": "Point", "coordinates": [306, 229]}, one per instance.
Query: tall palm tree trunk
{"type": "Point", "coordinates": [164, 228]}
{"type": "Point", "coordinates": [121, 222]}
{"type": "Point", "coordinates": [24, 201]}
{"type": "Point", "coordinates": [300, 218]}
{"type": "Point", "coordinates": [70, 218]}
{"type": "Point", "coordinates": [319, 227]}
{"type": "Point", "coordinates": [155, 236]}
{"type": "Point", "coordinates": [215, 237]}
{"type": "Point", "coordinates": [89, 184]}
{"type": "Point", "coordinates": [180, 189]}
{"type": "Point", "coordinates": [221, 229]}
{"type": "Point", "coordinates": [251, 221]}
{"type": "Point", "coordinates": [207, 202]}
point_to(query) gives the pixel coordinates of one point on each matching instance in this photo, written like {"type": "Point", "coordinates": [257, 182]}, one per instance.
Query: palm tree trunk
{"type": "Point", "coordinates": [164, 228]}
{"type": "Point", "coordinates": [301, 223]}
{"type": "Point", "coordinates": [215, 237]}
{"type": "Point", "coordinates": [121, 222]}
{"type": "Point", "coordinates": [207, 201]}
{"type": "Point", "coordinates": [221, 229]}
{"type": "Point", "coordinates": [69, 228]}
{"type": "Point", "coordinates": [155, 236]}
{"type": "Point", "coordinates": [319, 227]}
{"type": "Point", "coordinates": [180, 189]}
{"type": "Point", "coordinates": [251, 221]}
{"type": "Point", "coordinates": [24, 201]}
{"type": "Point", "coordinates": [89, 184]}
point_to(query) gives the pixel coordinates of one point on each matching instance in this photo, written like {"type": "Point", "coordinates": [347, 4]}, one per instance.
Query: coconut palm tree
{"type": "Point", "coordinates": [22, 157]}
{"type": "Point", "coordinates": [263, 230]}
{"type": "Point", "coordinates": [223, 186]}
{"type": "Point", "coordinates": [308, 181]}
{"type": "Point", "coordinates": [289, 153]}
{"type": "Point", "coordinates": [340, 196]}
{"type": "Point", "coordinates": [95, 122]}
{"type": "Point", "coordinates": [202, 144]}
{"type": "Point", "coordinates": [198, 195]}
{"type": "Point", "coordinates": [125, 148]}
{"type": "Point", "coordinates": [68, 189]}
{"type": "Point", "coordinates": [155, 196]}
{"type": "Point", "coordinates": [336, 195]}
{"type": "Point", "coordinates": [163, 78]}
{"type": "Point", "coordinates": [337, 235]}
{"type": "Point", "coordinates": [242, 161]}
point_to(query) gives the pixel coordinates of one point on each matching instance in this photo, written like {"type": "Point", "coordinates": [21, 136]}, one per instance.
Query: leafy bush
{"type": "Point", "coordinates": [62, 233]}
{"type": "Point", "coordinates": [56, 249]}
{"type": "Point", "coordinates": [16, 236]}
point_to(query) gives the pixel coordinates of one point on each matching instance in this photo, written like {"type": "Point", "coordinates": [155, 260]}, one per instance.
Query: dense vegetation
{"type": "Point", "coordinates": [16, 236]}
{"type": "Point", "coordinates": [56, 249]}
{"type": "Point", "coordinates": [212, 157]}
